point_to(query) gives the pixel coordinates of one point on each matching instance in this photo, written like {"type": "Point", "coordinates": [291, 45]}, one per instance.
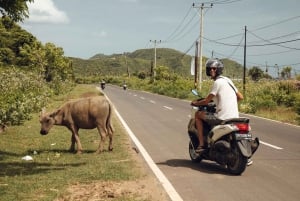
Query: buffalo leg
{"type": "Point", "coordinates": [102, 132]}
{"type": "Point", "coordinates": [75, 139]}
{"type": "Point", "coordinates": [110, 146]}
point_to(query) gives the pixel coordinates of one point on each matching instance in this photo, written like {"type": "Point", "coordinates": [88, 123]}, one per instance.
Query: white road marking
{"type": "Point", "coordinates": [151, 101]}
{"type": "Point", "coordinates": [142, 97]}
{"type": "Point", "coordinates": [170, 190]}
{"type": "Point", "coordinates": [169, 108]}
{"type": "Point", "coordinates": [270, 145]}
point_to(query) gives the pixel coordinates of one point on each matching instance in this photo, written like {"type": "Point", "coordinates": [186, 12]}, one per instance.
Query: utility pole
{"type": "Point", "coordinates": [196, 65]}
{"type": "Point", "coordinates": [244, 76]}
{"type": "Point", "coordinates": [155, 42]}
{"type": "Point", "coordinates": [276, 66]}
{"type": "Point", "coordinates": [200, 39]}
{"type": "Point", "coordinates": [127, 68]}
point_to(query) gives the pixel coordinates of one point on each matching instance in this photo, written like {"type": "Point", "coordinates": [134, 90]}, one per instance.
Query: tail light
{"type": "Point", "coordinates": [243, 127]}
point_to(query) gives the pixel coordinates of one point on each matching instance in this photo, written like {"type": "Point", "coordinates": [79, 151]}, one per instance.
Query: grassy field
{"type": "Point", "coordinates": [53, 169]}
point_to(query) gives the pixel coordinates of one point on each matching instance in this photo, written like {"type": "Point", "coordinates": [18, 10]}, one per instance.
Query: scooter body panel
{"type": "Point", "coordinates": [219, 131]}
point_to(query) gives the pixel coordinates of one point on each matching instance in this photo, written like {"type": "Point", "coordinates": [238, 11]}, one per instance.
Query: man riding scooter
{"type": "Point", "coordinates": [223, 93]}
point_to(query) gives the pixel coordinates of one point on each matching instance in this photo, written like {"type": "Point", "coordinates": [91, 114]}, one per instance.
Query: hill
{"type": "Point", "coordinates": [141, 61]}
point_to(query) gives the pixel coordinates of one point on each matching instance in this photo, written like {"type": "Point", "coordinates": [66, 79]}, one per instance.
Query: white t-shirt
{"type": "Point", "coordinates": [225, 98]}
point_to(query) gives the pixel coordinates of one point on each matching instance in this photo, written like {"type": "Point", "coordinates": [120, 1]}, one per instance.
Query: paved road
{"type": "Point", "coordinates": [160, 124]}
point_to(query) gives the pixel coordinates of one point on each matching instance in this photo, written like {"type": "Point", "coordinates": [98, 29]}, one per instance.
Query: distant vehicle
{"type": "Point", "coordinates": [124, 86]}
{"type": "Point", "coordinates": [102, 84]}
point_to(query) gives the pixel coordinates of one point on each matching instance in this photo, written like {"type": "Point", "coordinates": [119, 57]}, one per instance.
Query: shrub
{"type": "Point", "coordinates": [21, 94]}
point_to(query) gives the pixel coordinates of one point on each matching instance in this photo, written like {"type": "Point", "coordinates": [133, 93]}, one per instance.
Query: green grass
{"type": "Point", "coordinates": [53, 168]}
{"type": "Point", "coordinates": [282, 114]}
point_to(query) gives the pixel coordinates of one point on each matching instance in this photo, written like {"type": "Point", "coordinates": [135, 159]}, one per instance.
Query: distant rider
{"type": "Point", "coordinates": [102, 84]}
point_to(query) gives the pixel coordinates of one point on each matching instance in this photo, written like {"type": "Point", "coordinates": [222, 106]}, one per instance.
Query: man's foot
{"type": "Point", "coordinates": [249, 162]}
{"type": "Point", "coordinates": [199, 149]}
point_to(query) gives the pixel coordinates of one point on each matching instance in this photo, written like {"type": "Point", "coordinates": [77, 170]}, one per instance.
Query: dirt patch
{"type": "Point", "coordinates": [146, 188]}
{"type": "Point", "coordinates": [130, 190]}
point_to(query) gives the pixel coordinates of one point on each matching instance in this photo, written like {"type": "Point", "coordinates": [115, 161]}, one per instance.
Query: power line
{"type": "Point", "coordinates": [280, 22]}
{"type": "Point", "coordinates": [237, 47]}
{"type": "Point", "coordinates": [277, 43]}
{"type": "Point", "coordinates": [179, 24]}
{"type": "Point", "coordinates": [222, 1]}
{"type": "Point", "coordinates": [177, 36]}
{"type": "Point", "coordinates": [291, 48]}
{"type": "Point", "coordinates": [278, 37]}
{"type": "Point", "coordinates": [260, 28]}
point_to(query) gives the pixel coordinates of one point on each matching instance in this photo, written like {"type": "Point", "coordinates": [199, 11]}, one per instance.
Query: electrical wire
{"type": "Point", "coordinates": [280, 22]}
{"type": "Point", "coordinates": [181, 22]}
{"type": "Point", "coordinates": [270, 43]}
{"type": "Point", "coordinates": [177, 36]}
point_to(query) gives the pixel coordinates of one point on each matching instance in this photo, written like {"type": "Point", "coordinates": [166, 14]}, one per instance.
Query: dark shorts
{"type": "Point", "coordinates": [211, 119]}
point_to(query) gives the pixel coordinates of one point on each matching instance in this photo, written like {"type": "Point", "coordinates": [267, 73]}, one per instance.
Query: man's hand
{"type": "Point", "coordinates": [194, 103]}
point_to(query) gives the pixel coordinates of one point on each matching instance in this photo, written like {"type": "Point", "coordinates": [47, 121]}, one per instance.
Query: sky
{"type": "Point", "coordinates": [86, 28]}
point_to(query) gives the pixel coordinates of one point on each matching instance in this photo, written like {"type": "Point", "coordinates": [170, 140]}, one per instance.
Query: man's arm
{"type": "Point", "coordinates": [239, 96]}
{"type": "Point", "coordinates": [204, 101]}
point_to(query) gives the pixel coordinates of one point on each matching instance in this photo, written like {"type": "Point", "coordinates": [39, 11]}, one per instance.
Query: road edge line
{"type": "Point", "coordinates": [170, 190]}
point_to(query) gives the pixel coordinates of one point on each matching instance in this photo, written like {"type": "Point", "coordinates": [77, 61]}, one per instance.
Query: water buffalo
{"type": "Point", "coordinates": [85, 113]}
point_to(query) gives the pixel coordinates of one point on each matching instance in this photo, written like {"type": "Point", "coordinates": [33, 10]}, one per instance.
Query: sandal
{"type": "Point", "coordinates": [200, 149]}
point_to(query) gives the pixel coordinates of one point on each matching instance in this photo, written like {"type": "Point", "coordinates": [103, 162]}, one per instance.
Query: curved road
{"type": "Point", "coordinates": [160, 124]}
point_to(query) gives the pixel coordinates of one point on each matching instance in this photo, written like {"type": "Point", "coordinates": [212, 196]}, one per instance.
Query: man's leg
{"type": "Point", "coordinates": [199, 125]}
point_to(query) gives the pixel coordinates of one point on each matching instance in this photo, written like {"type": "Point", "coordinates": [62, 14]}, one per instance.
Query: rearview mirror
{"type": "Point", "coordinates": [195, 92]}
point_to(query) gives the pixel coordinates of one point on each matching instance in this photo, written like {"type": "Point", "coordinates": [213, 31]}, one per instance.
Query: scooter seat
{"type": "Point", "coordinates": [235, 120]}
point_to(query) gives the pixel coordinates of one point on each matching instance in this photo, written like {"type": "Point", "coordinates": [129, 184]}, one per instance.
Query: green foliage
{"type": "Point", "coordinates": [21, 49]}
{"type": "Point", "coordinates": [25, 66]}
{"type": "Point", "coordinates": [256, 73]}
{"type": "Point", "coordinates": [269, 95]}
{"type": "Point", "coordinates": [17, 10]}
{"type": "Point", "coordinates": [21, 94]}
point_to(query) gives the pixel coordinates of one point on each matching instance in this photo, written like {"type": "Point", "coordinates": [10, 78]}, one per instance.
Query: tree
{"type": "Point", "coordinates": [286, 72]}
{"type": "Point", "coordinates": [17, 10]}
{"type": "Point", "coordinates": [162, 73]}
{"type": "Point", "coordinates": [256, 73]}
{"type": "Point", "coordinates": [57, 65]}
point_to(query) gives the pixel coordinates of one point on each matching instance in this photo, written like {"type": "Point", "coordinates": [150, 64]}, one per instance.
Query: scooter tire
{"type": "Point", "coordinates": [238, 165]}
{"type": "Point", "coordinates": [193, 155]}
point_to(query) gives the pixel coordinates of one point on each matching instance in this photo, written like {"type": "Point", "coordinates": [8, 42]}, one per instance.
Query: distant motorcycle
{"type": "Point", "coordinates": [230, 143]}
{"type": "Point", "coordinates": [102, 85]}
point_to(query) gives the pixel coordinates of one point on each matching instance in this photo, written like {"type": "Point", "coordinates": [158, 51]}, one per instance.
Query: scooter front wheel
{"type": "Point", "coordinates": [194, 156]}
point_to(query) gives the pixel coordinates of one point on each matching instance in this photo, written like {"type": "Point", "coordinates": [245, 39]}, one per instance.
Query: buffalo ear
{"type": "Point", "coordinates": [53, 114]}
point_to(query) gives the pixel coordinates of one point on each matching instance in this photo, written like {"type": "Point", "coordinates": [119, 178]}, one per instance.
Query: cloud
{"type": "Point", "coordinates": [44, 11]}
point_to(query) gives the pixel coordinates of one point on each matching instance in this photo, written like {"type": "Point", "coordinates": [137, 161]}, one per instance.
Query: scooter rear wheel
{"type": "Point", "coordinates": [194, 156]}
{"type": "Point", "coordinates": [238, 163]}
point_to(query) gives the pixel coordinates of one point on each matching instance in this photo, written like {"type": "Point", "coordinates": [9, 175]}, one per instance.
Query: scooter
{"type": "Point", "coordinates": [124, 86]}
{"type": "Point", "coordinates": [230, 143]}
{"type": "Point", "coordinates": [102, 85]}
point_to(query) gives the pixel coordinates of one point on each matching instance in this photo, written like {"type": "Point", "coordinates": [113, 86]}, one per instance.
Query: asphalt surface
{"type": "Point", "coordinates": [160, 124]}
